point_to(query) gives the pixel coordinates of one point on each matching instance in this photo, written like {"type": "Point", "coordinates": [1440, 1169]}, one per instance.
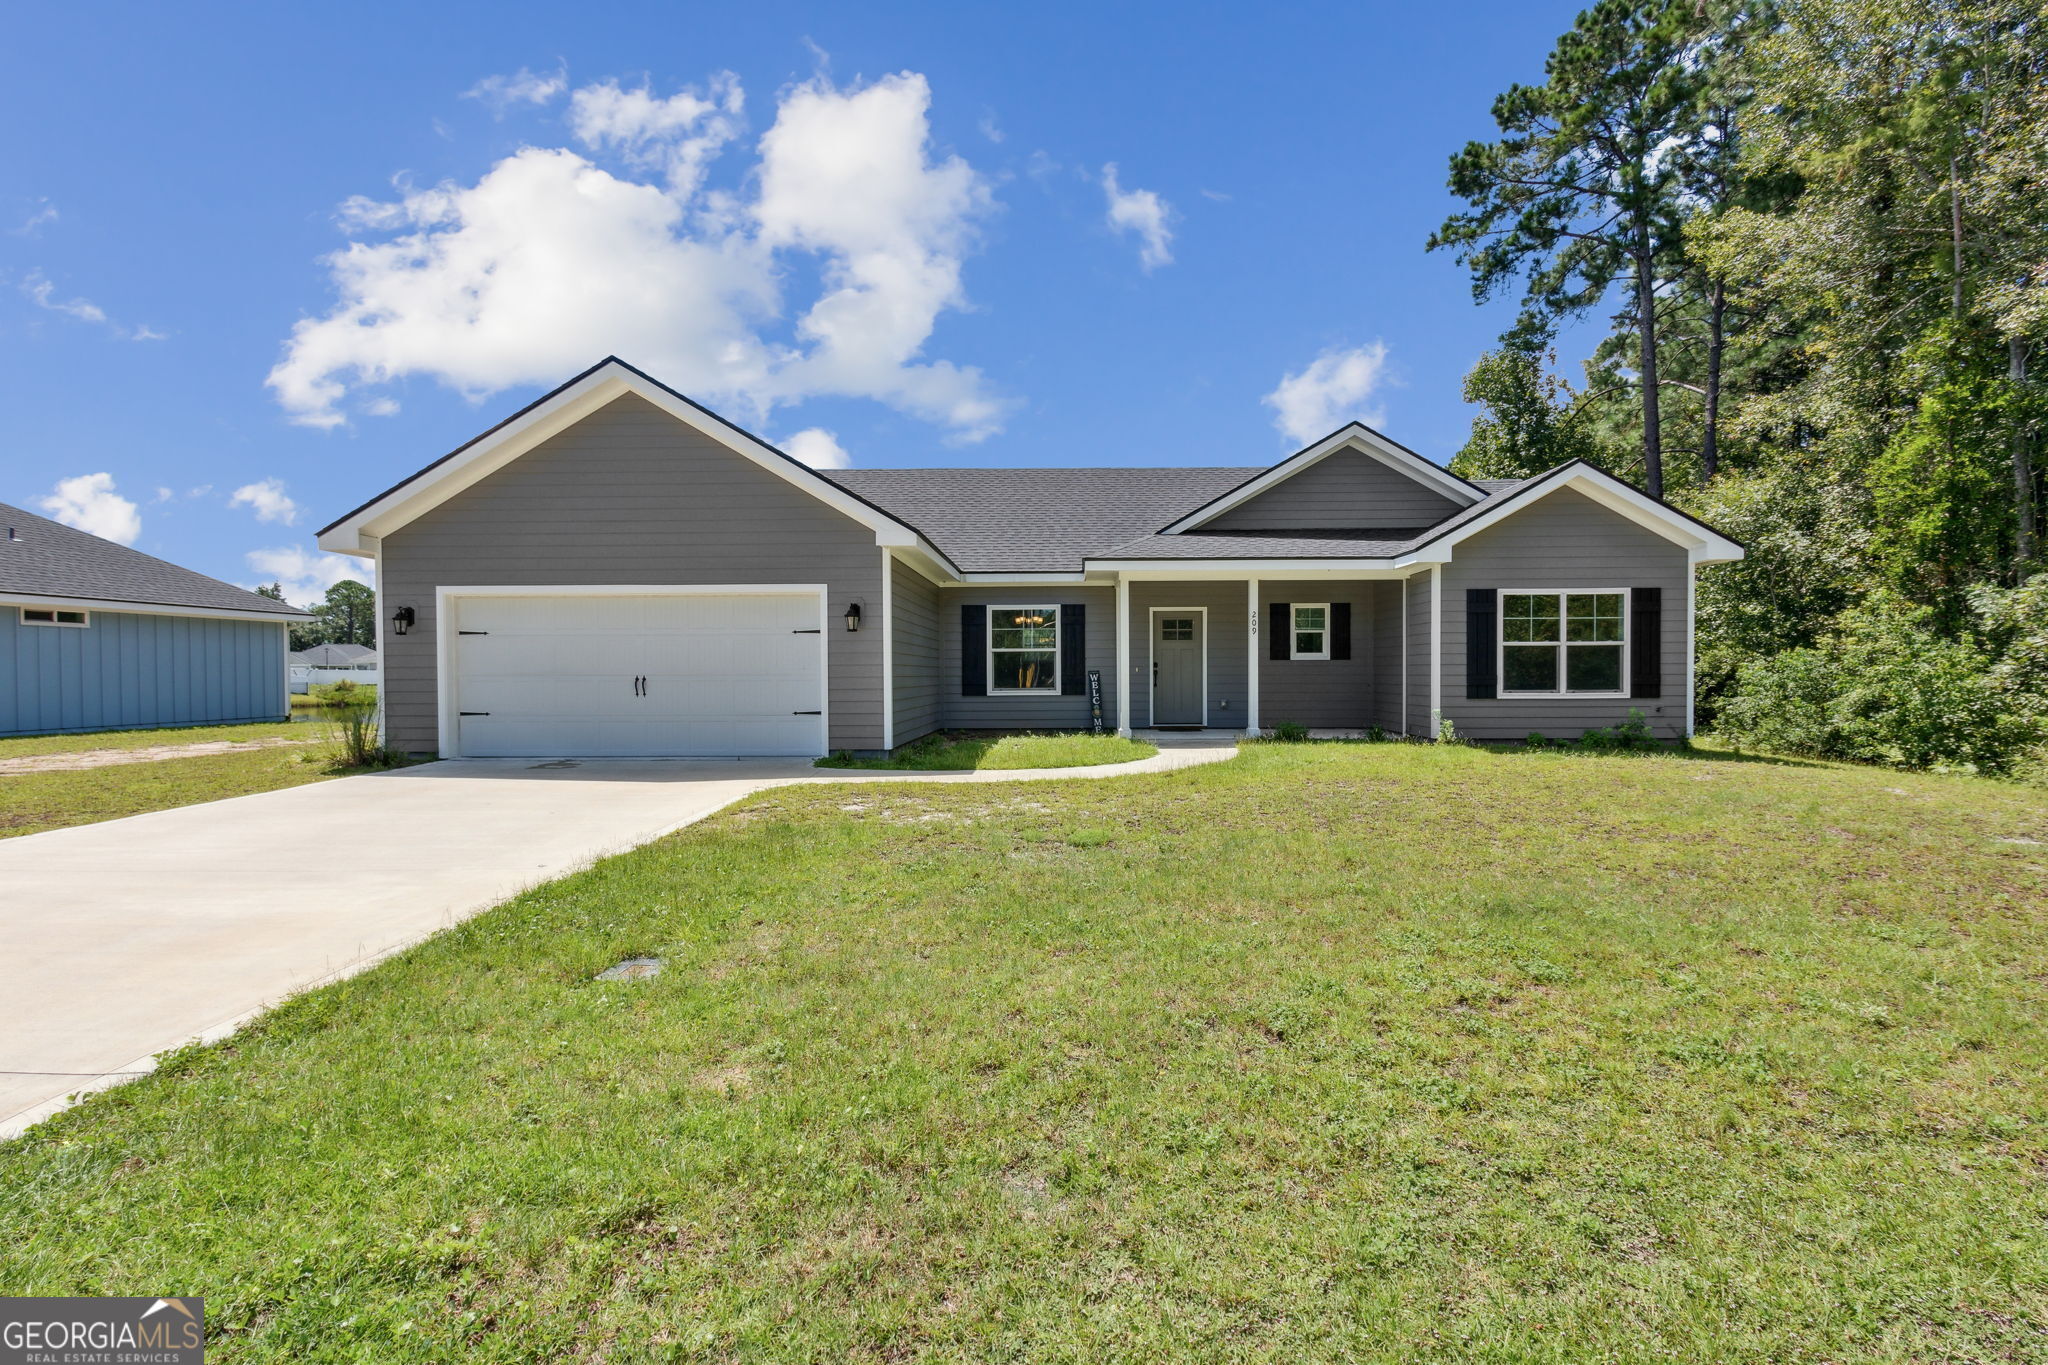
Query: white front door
{"type": "Point", "coordinates": [687, 675]}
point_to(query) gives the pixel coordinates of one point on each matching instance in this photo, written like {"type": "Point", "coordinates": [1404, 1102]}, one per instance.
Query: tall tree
{"type": "Point", "coordinates": [1581, 194]}
{"type": "Point", "coordinates": [349, 614]}
{"type": "Point", "coordinates": [1527, 421]}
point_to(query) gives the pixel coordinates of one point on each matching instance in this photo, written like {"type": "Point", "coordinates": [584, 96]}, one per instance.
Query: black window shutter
{"type": "Point", "coordinates": [1073, 649]}
{"type": "Point", "coordinates": [974, 651]}
{"type": "Point", "coordinates": [1646, 642]}
{"type": "Point", "coordinates": [1279, 626]}
{"type": "Point", "coordinates": [1482, 623]}
{"type": "Point", "coordinates": [1340, 630]}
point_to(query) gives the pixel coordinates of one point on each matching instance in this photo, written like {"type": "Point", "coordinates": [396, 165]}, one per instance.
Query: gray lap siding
{"type": "Point", "coordinates": [1565, 541]}
{"type": "Point", "coordinates": [1332, 694]}
{"type": "Point", "coordinates": [629, 495]}
{"type": "Point", "coordinates": [914, 652]}
{"type": "Point", "coordinates": [1050, 711]}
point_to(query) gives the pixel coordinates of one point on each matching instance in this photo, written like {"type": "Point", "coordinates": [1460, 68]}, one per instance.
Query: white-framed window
{"type": "Point", "coordinates": [54, 616]}
{"type": "Point", "coordinates": [1564, 644]}
{"type": "Point", "coordinates": [1023, 649]}
{"type": "Point", "coordinates": [1309, 631]}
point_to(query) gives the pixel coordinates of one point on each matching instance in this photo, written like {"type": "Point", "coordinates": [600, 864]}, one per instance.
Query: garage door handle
{"type": "Point", "coordinates": [807, 713]}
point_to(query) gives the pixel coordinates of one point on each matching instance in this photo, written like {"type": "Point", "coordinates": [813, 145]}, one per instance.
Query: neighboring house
{"type": "Point", "coordinates": [615, 570]}
{"type": "Point", "coordinates": [96, 636]}
{"type": "Point", "coordinates": [338, 663]}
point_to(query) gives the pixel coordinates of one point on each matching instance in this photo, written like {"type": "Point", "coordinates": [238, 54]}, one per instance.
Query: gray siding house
{"type": "Point", "coordinates": [616, 570]}
{"type": "Point", "coordinates": [96, 636]}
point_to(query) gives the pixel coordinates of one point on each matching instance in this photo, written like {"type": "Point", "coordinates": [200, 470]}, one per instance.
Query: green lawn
{"type": "Point", "coordinates": [954, 751]}
{"type": "Point", "coordinates": [30, 745]}
{"type": "Point", "coordinates": [1333, 1052]}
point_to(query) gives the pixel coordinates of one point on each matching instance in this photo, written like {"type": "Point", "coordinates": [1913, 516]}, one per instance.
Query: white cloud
{"type": "Point", "coordinates": [90, 503]}
{"type": "Point", "coordinates": [43, 212]}
{"type": "Point", "coordinates": [1142, 212]}
{"type": "Point", "coordinates": [267, 500]}
{"type": "Point", "coordinates": [551, 260]}
{"type": "Point", "coordinates": [522, 87]}
{"type": "Point", "coordinates": [679, 135]}
{"type": "Point", "coordinates": [1334, 389]}
{"type": "Point", "coordinates": [381, 407]}
{"type": "Point", "coordinates": [44, 295]}
{"type": "Point", "coordinates": [818, 448]}
{"type": "Point", "coordinates": [163, 494]}
{"type": "Point", "coordinates": [1217, 196]}
{"type": "Point", "coordinates": [989, 128]}
{"type": "Point", "coordinates": [305, 575]}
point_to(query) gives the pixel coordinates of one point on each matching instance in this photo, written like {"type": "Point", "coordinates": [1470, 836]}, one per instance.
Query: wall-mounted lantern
{"type": "Point", "coordinates": [401, 620]}
{"type": "Point", "coordinates": [853, 616]}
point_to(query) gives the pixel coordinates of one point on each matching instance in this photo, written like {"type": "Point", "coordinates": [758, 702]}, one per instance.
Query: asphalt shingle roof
{"type": "Point", "coordinates": [1050, 520]}
{"type": "Point", "coordinates": [44, 558]}
{"type": "Point", "coordinates": [1026, 520]}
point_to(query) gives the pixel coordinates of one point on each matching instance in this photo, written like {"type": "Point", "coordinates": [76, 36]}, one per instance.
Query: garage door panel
{"type": "Point", "coordinates": [727, 674]}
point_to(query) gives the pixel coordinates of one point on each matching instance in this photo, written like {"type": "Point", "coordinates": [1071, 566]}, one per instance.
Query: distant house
{"type": "Point", "coordinates": [334, 663]}
{"type": "Point", "coordinates": [96, 636]}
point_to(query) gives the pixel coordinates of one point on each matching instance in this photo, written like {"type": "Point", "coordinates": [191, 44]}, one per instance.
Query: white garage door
{"type": "Point", "coordinates": [693, 675]}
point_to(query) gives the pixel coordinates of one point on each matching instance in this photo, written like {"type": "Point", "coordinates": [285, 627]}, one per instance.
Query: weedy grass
{"type": "Point", "coordinates": [29, 746]}
{"type": "Point", "coordinates": [953, 751]}
{"type": "Point", "coordinates": [1333, 1052]}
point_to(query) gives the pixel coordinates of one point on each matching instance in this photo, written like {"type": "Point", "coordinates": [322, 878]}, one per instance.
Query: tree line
{"type": "Point", "coordinates": [1817, 232]}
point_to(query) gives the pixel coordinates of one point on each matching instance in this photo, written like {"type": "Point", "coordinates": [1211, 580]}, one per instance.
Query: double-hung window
{"type": "Point", "coordinates": [1023, 649]}
{"type": "Point", "coordinates": [1311, 631]}
{"type": "Point", "coordinates": [1556, 644]}
{"type": "Point", "coordinates": [46, 616]}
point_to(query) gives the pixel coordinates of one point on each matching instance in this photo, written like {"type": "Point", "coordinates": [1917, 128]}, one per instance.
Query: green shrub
{"type": "Point", "coordinates": [1633, 734]}
{"type": "Point", "coordinates": [1887, 689]}
{"type": "Point", "coordinates": [1376, 734]}
{"type": "Point", "coordinates": [1290, 732]}
{"type": "Point", "coordinates": [1537, 740]}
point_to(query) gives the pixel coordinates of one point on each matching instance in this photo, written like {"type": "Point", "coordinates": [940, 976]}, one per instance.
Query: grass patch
{"type": "Point", "coordinates": [1361, 1052]}
{"type": "Point", "coordinates": [28, 746]}
{"type": "Point", "coordinates": [33, 802]}
{"type": "Point", "coordinates": [954, 751]}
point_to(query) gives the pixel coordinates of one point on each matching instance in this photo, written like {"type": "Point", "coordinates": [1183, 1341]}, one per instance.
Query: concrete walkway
{"type": "Point", "coordinates": [131, 937]}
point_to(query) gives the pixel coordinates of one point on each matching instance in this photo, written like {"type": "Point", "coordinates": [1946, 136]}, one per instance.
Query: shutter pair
{"type": "Point", "coordinates": [1073, 650]}
{"type": "Point", "coordinates": [1645, 649]}
{"type": "Point", "coordinates": [1280, 637]}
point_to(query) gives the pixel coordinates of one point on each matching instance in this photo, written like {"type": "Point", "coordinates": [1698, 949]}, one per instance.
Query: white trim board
{"type": "Point", "coordinates": [447, 624]}
{"type": "Point", "coordinates": [610, 379]}
{"type": "Point", "coordinates": [1352, 436]}
{"type": "Point", "coordinates": [91, 604]}
{"type": "Point", "coordinates": [1152, 687]}
{"type": "Point", "coordinates": [1702, 545]}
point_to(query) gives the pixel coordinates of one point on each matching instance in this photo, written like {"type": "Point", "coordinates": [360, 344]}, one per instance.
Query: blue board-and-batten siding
{"type": "Point", "coordinates": [130, 671]}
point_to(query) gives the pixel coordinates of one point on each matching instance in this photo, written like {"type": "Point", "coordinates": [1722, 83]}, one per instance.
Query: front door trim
{"type": "Point", "coordinates": [1151, 638]}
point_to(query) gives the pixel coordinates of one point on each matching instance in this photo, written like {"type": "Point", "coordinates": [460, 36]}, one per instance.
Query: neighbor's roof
{"type": "Point", "coordinates": [340, 655]}
{"type": "Point", "coordinates": [44, 558]}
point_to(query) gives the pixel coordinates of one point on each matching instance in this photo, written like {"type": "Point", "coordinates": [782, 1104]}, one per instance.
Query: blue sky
{"type": "Point", "coordinates": [258, 263]}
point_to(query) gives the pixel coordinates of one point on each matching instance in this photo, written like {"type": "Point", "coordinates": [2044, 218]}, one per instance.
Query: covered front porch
{"type": "Point", "coordinates": [1337, 651]}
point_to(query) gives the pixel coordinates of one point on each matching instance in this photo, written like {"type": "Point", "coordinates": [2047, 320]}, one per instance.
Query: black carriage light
{"type": "Point", "coordinates": [401, 620]}
{"type": "Point", "coordinates": [853, 616]}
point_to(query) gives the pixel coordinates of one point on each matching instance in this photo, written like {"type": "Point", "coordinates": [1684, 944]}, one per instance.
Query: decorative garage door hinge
{"type": "Point", "coordinates": [472, 632]}
{"type": "Point", "coordinates": [804, 632]}
{"type": "Point", "coordinates": [807, 713]}
{"type": "Point", "coordinates": [472, 713]}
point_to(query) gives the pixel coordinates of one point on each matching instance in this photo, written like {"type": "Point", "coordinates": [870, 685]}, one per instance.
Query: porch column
{"type": "Point", "coordinates": [1123, 655]}
{"type": "Point", "coordinates": [1251, 663]}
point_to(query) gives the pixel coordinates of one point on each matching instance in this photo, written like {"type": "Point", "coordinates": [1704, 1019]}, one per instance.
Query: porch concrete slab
{"type": "Point", "coordinates": [134, 936]}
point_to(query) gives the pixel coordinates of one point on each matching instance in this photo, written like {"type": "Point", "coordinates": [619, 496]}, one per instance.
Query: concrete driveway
{"type": "Point", "coordinates": [131, 937]}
